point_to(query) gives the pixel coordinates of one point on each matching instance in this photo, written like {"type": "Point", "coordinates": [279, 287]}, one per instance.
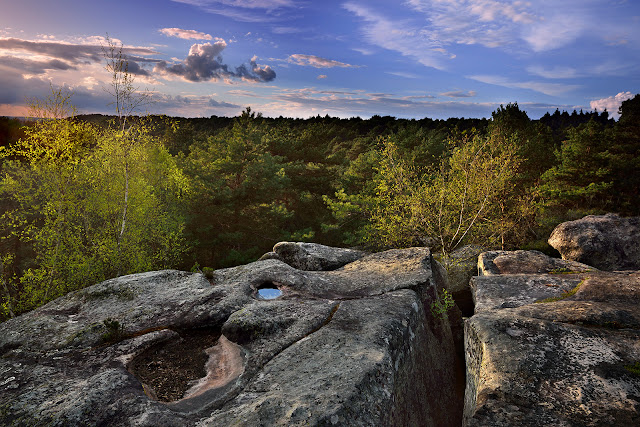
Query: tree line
{"type": "Point", "coordinates": [87, 198]}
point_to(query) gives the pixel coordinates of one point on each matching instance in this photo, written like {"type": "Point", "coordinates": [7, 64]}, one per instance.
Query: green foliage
{"type": "Point", "coordinates": [114, 331]}
{"type": "Point", "coordinates": [85, 200]}
{"type": "Point", "coordinates": [208, 272]}
{"type": "Point", "coordinates": [64, 187]}
{"type": "Point", "coordinates": [634, 369]}
{"type": "Point", "coordinates": [443, 303]}
{"type": "Point", "coordinates": [582, 177]}
{"type": "Point", "coordinates": [471, 198]}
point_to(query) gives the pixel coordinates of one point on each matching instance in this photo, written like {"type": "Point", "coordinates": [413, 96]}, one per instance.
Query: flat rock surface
{"type": "Point", "coordinates": [354, 346]}
{"type": "Point", "coordinates": [553, 349]}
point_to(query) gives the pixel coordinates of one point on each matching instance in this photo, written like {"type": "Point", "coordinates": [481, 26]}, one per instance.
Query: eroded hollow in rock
{"type": "Point", "coordinates": [168, 369]}
{"type": "Point", "coordinates": [268, 290]}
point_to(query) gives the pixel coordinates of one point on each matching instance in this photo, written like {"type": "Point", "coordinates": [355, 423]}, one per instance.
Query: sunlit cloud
{"type": "Point", "coordinates": [317, 62]}
{"type": "Point", "coordinates": [204, 63]}
{"type": "Point", "coordinates": [73, 54]}
{"type": "Point", "coordinates": [611, 104]}
{"type": "Point", "coordinates": [185, 34]}
{"type": "Point", "coordinates": [322, 76]}
{"type": "Point", "coordinates": [551, 89]}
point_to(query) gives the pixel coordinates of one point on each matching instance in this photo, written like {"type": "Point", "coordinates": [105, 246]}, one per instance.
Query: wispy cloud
{"type": "Point", "coordinates": [551, 89]}
{"type": "Point", "coordinates": [244, 10]}
{"type": "Point", "coordinates": [185, 34]}
{"type": "Point", "coordinates": [322, 76]}
{"type": "Point", "coordinates": [401, 36]}
{"type": "Point", "coordinates": [309, 101]}
{"type": "Point", "coordinates": [403, 74]}
{"type": "Point", "coordinates": [440, 28]}
{"type": "Point", "coordinates": [287, 30]}
{"type": "Point", "coordinates": [557, 72]}
{"type": "Point", "coordinates": [317, 62]}
{"type": "Point", "coordinates": [459, 94]}
{"type": "Point", "coordinates": [611, 104]}
{"type": "Point", "coordinates": [556, 31]}
{"type": "Point", "coordinates": [363, 51]}
{"type": "Point", "coordinates": [204, 63]}
{"type": "Point", "coordinates": [240, 92]}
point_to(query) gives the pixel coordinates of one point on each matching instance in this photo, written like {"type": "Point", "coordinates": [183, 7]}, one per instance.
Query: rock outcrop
{"type": "Point", "coordinates": [552, 343]}
{"type": "Point", "coordinates": [354, 346]}
{"type": "Point", "coordinates": [313, 256]}
{"type": "Point", "coordinates": [607, 242]}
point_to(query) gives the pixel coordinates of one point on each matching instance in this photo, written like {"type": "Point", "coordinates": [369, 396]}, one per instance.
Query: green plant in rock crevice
{"type": "Point", "coordinates": [114, 333]}
{"type": "Point", "coordinates": [443, 303]}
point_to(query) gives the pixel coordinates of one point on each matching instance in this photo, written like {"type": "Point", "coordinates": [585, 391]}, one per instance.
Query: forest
{"type": "Point", "coordinates": [84, 198]}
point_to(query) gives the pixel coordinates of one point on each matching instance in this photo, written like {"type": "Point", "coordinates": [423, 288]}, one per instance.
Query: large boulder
{"type": "Point", "coordinates": [313, 256]}
{"type": "Point", "coordinates": [559, 345]}
{"type": "Point", "coordinates": [607, 242]}
{"type": "Point", "coordinates": [354, 346]}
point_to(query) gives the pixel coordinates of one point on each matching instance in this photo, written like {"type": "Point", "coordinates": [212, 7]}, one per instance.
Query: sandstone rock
{"type": "Point", "coordinates": [608, 242]}
{"type": "Point", "coordinates": [552, 349]}
{"type": "Point", "coordinates": [354, 346]}
{"type": "Point", "coordinates": [526, 262]}
{"type": "Point", "coordinates": [313, 256]}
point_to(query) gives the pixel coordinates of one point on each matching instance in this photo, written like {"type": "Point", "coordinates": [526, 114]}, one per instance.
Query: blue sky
{"type": "Point", "coordinates": [301, 58]}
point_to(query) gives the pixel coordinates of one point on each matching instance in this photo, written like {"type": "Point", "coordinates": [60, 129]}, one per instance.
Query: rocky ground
{"type": "Point", "coordinates": [356, 345]}
{"type": "Point", "coordinates": [352, 340]}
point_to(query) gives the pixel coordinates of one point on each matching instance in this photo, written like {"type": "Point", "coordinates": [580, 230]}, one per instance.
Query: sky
{"type": "Point", "coordinates": [342, 58]}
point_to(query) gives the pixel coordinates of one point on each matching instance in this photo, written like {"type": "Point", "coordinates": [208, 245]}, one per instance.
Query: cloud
{"type": "Point", "coordinates": [611, 104]}
{"type": "Point", "coordinates": [286, 30]}
{"type": "Point", "coordinates": [459, 94]}
{"type": "Point", "coordinates": [556, 31]}
{"type": "Point", "coordinates": [310, 102]}
{"type": "Point", "coordinates": [64, 56]}
{"type": "Point", "coordinates": [403, 74]}
{"type": "Point", "coordinates": [551, 89]}
{"type": "Point", "coordinates": [213, 103]}
{"type": "Point", "coordinates": [240, 92]}
{"type": "Point", "coordinates": [34, 66]}
{"type": "Point", "coordinates": [436, 31]}
{"type": "Point", "coordinates": [554, 73]}
{"type": "Point", "coordinates": [404, 37]}
{"type": "Point", "coordinates": [246, 4]}
{"type": "Point", "coordinates": [245, 10]}
{"type": "Point", "coordinates": [185, 34]}
{"type": "Point", "coordinates": [322, 76]}
{"type": "Point", "coordinates": [363, 51]}
{"type": "Point", "coordinates": [204, 62]}
{"type": "Point", "coordinates": [317, 62]}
